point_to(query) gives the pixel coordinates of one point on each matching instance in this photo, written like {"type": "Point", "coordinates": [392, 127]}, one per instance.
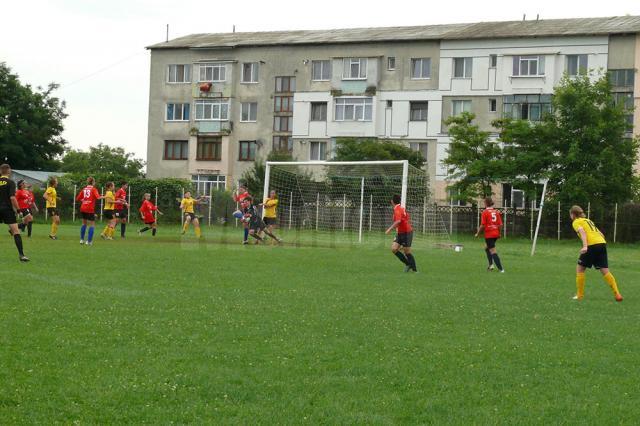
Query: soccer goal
{"type": "Point", "coordinates": [350, 201]}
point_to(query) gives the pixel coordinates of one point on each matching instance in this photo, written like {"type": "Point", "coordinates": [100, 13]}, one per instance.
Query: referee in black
{"type": "Point", "coordinates": [9, 207]}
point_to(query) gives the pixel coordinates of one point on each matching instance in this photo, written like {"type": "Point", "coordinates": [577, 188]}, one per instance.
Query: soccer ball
{"type": "Point", "coordinates": [238, 214]}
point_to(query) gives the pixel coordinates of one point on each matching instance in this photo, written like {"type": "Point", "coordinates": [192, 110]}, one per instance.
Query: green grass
{"type": "Point", "coordinates": [168, 330]}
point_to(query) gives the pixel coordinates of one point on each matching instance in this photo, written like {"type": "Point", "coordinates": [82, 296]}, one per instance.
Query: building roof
{"type": "Point", "coordinates": [480, 30]}
{"type": "Point", "coordinates": [40, 176]}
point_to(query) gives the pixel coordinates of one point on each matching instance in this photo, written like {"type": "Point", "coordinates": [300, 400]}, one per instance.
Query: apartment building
{"type": "Point", "coordinates": [220, 101]}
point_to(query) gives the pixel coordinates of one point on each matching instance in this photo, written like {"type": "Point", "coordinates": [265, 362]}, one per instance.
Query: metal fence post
{"type": "Point", "coordinates": [589, 210]}
{"type": "Point", "coordinates": [558, 220]}
{"type": "Point", "coordinates": [101, 202]}
{"type": "Point", "coordinates": [75, 192]}
{"type": "Point", "coordinates": [615, 223]}
{"type": "Point", "coordinates": [290, 208]}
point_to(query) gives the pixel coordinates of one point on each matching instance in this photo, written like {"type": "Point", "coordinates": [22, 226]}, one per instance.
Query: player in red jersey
{"type": "Point", "coordinates": [239, 197]}
{"type": "Point", "coordinates": [491, 222]}
{"type": "Point", "coordinates": [404, 237]}
{"type": "Point", "coordinates": [25, 202]}
{"type": "Point", "coordinates": [122, 207]}
{"type": "Point", "coordinates": [146, 211]}
{"type": "Point", "coordinates": [88, 197]}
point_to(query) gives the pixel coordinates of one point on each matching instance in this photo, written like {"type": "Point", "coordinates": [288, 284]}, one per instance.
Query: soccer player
{"type": "Point", "coordinates": [109, 211]}
{"type": "Point", "coordinates": [88, 197]}
{"type": "Point", "coordinates": [51, 196]}
{"type": "Point", "coordinates": [592, 254]}
{"type": "Point", "coordinates": [187, 205]}
{"type": "Point", "coordinates": [146, 211]}
{"type": "Point", "coordinates": [254, 221]}
{"type": "Point", "coordinates": [270, 217]}
{"type": "Point", "coordinates": [239, 197]}
{"type": "Point", "coordinates": [122, 208]}
{"type": "Point", "coordinates": [23, 197]}
{"type": "Point", "coordinates": [490, 222]}
{"type": "Point", "coordinates": [32, 206]}
{"type": "Point", "coordinates": [9, 207]}
{"type": "Point", "coordinates": [404, 237]}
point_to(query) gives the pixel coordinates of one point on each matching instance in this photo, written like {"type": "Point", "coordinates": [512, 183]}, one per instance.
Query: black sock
{"type": "Point", "coordinates": [402, 257]}
{"type": "Point", "coordinates": [123, 228]}
{"type": "Point", "coordinates": [496, 260]}
{"type": "Point", "coordinates": [145, 229]}
{"type": "Point", "coordinates": [412, 262]}
{"type": "Point", "coordinates": [256, 236]}
{"type": "Point", "coordinates": [29, 228]}
{"type": "Point", "coordinates": [153, 232]}
{"type": "Point", "coordinates": [489, 256]}
{"type": "Point", "coordinates": [21, 226]}
{"type": "Point", "coordinates": [18, 240]}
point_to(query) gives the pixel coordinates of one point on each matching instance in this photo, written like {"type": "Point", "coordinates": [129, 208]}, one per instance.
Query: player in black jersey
{"type": "Point", "coordinates": [9, 207]}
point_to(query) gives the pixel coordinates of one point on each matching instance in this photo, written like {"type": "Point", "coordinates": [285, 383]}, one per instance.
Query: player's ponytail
{"type": "Point", "coordinates": [576, 211]}
{"type": "Point", "coordinates": [91, 180]}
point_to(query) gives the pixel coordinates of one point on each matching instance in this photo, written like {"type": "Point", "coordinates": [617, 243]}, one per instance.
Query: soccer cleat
{"type": "Point", "coordinates": [104, 237]}
{"type": "Point", "coordinates": [618, 297]}
{"type": "Point", "coordinates": [245, 242]}
{"type": "Point", "coordinates": [407, 268]}
{"type": "Point", "coordinates": [24, 259]}
{"type": "Point", "coordinates": [81, 242]}
{"type": "Point", "coordinates": [576, 298]}
{"type": "Point", "coordinates": [502, 271]}
{"type": "Point", "coordinates": [89, 243]}
{"type": "Point", "coordinates": [491, 268]}
{"type": "Point", "coordinates": [53, 237]}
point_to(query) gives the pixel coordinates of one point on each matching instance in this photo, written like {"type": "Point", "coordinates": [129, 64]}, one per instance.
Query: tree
{"type": "Point", "coordinates": [358, 149]}
{"type": "Point", "coordinates": [253, 178]}
{"type": "Point", "coordinates": [594, 156]}
{"type": "Point", "coordinates": [30, 124]}
{"type": "Point", "coordinates": [473, 160]}
{"type": "Point", "coordinates": [102, 161]}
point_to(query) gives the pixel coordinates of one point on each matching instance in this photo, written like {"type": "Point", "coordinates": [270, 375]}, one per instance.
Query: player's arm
{"type": "Point", "coordinates": [583, 236]}
{"type": "Point", "coordinates": [393, 226]}
{"type": "Point", "coordinates": [481, 227]}
{"type": "Point", "coordinates": [47, 196]}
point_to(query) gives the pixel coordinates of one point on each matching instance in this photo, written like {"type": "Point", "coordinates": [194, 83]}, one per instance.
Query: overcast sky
{"type": "Point", "coordinates": [96, 49]}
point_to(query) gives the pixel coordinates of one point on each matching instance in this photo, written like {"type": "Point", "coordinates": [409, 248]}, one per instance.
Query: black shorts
{"type": "Point", "coordinates": [270, 221]}
{"type": "Point", "coordinates": [8, 216]}
{"type": "Point", "coordinates": [595, 257]}
{"type": "Point", "coordinates": [404, 239]}
{"type": "Point", "coordinates": [52, 211]}
{"type": "Point", "coordinates": [109, 214]}
{"type": "Point", "coordinates": [25, 212]}
{"type": "Point", "coordinates": [191, 215]}
{"type": "Point", "coordinates": [121, 214]}
{"type": "Point", "coordinates": [257, 225]}
{"type": "Point", "coordinates": [491, 242]}
{"type": "Point", "coordinates": [150, 223]}
{"type": "Point", "coordinates": [88, 216]}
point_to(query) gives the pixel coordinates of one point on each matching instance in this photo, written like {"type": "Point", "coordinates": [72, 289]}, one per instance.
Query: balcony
{"type": "Point", "coordinates": [212, 128]}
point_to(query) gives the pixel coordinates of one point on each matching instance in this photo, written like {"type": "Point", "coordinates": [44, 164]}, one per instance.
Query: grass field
{"type": "Point", "coordinates": [163, 331]}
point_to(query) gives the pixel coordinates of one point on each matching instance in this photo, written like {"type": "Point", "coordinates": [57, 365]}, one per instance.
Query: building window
{"type": "Point", "coordinates": [526, 107]}
{"type": "Point", "coordinates": [318, 111]}
{"type": "Point", "coordinates": [354, 69]}
{"type": "Point", "coordinates": [209, 148]}
{"type": "Point", "coordinates": [212, 72]}
{"type": "Point", "coordinates": [493, 61]}
{"type": "Point", "coordinates": [418, 111]}
{"type": "Point", "coordinates": [212, 110]}
{"type": "Point", "coordinates": [179, 74]}
{"type": "Point", "coordinates": [317, 151]}
{"type": "Point", "coordinates": [247, 151]}
{"type": "Point", "coordinates": [249, 112]}
{"type": "Point", "coordinates": [176, 150]}
{"type": "Point", "coordinates": [493, 105]}
{"type": "Point", "coordinates": [462, 67]}
{"type": "Point", "coordinates": [320, 70]}
{"type": "Point", "coordinates": [206, 184]}
{"type": "Point", "coordinates": [621, 78]}
{"type": "Point", "coordinates": [389, 103]}
{"type": "Point", "coordinates": [283, 124]}
{"type": "Point", "coordinates": [458, 107]}
{"type": "Point", "coordinates": [391, 63]}
{"type": "Point", "coordinates": [528, 66]}
{"type": "Point", "coordinates": [421, 147]}
{"type": "Point", "coordinates": [354, 109]}
{"type": "Point", "coordinates": [285, 84]}
{"type": "Point", "coordinates": [577, 65]}
{"type": "Point", "coordinates": [250, 72]}
{"type": "Point", "coordinates": [626, 100]}
{"type": "Point", "coordinates": [421, 68]}
{"type": "Point", "coordinates": [178, 112]}
{"type": "Point", "coordinates": [454, 198]}
{"type": "Point", "coordinates": [283, 103]}
{"type": "Point", "coordinates": [283, 144]}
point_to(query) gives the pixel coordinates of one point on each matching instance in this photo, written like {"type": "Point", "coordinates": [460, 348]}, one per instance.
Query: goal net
{"type": "Point", "coordinates": [332, 202]}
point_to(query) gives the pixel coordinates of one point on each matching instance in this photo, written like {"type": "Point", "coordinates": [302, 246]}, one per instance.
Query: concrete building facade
{"type": "Point", "coordinates": [220, 101]}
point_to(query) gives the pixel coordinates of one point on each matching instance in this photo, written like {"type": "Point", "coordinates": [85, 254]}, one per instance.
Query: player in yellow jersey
{"type": "Point", "coordinates": [270, 217]}
{"type": "Point", "coordinates": [592, 254]}
{"type": "Point", "coordinates": [187, 205]}
{"type": "Point", "coordinates": [51, 196]}
{"type": "Point", "coordinates": [109, 212]}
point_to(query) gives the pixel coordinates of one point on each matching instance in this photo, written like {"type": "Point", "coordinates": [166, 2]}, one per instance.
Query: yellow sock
{"type": "Point", "coordinates": [54, 229]}
{"type": "Point", "coordinates": [105, 232]}
{"type": "Point", "coordinates": [612, 283]}
{"type": "Point", "coordinates": [185, 227]}
{"type": "Point", "coordinates": [198, 233]}
{"type": "Point", "coordinates": [109, 231]}
{"type": "Point", "coordinates": [580, 279]}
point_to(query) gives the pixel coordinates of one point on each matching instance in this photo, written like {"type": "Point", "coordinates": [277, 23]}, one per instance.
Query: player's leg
{"type": "Point", "coordinates": [246, 233]}
{"type": "Point", "coordinates": [254, 233]}
{"type": "Point", "coordinates": [10, 219]}
{"type": "Point", "coordinates": [29, 228]}
{"type": "Point", "coordinates": [83, 230]}
{"type": "Point", "coordinates": [395, 249]}
{"type": "Point", "coordinates": [602, 263]}
{"type": "Point", "coordinates": [410, 259]}
{"type": "Point", "coordinates": [196, 227]}
{"type": "Point", "coordinates": [494, 255]}
{"type": "Point", "coordinates": [580, 280]}
{"type": "Point", "coordinates": [187, 221]}
{"type": "Point", "coordinates": [123, 227]}
{"type": "Point", "coordinates": [144, 229]}
{"type": "Point", "coordinates": [154, 229]}
{"type": "Point", "coordinates": [487, 251]}
{"type": "Point", "coordinates": [55, 221]}
{"type": "Point", "coordinates": [92, 226]}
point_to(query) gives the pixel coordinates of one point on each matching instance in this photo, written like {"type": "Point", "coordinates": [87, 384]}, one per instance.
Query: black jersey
{"type": "Point", "coordinates": [7, 190]}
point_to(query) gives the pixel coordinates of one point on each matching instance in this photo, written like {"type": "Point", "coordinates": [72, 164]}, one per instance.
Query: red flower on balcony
{"type": "Point", "coordinates": [205, 87]}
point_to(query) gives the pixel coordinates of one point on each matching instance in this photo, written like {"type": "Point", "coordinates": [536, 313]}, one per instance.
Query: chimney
{"type": "Point", "coordinates": [524, 17]}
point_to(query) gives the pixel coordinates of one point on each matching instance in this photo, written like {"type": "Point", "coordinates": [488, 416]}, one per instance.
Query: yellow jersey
{"type": "Point", "coordinates": [594, 236]}
{"type": "Point", "coordinates": [109, 200]}
{"type": "Point", "coordinates": [270, 208]}
{"type": "Point", "coordinates": [52, 195]}
{"type": "Point", "coordinates": [187, 204]}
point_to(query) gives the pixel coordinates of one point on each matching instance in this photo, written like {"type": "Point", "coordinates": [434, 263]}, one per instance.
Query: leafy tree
{"type": "Point", "coordinates": [473, 160]}
{"type": "Point", "coordinates": [30, 124]}
{"type": "Point", "coordinates": [359, 149]}
{"type": "Point", "coordinates": [253, 178]}
{"type": "Point", "coordinates": [104, 162]}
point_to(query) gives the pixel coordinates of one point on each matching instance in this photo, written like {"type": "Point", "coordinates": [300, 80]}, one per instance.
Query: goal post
{"type": "Point", "coordinates": [535, 236]}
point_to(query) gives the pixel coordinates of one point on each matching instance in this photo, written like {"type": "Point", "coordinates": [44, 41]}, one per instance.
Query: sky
{"type": "Point", "coordinates": [96, 49]}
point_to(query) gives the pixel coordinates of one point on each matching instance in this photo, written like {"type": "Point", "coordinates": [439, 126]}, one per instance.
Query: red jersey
{"type": "Point", "coordinates": [32, 198]}
{"type": "Point", "coordinates": [239, 198]}
{"type": "Point", "coordinates": [22, 196]}
{"type": "Point", "coordinates": [400, 214]}
{"type": "Point", "coordinates": [88, 196]}
{"type": "Point", "coordinates": [146, 210]}
{"type": "Point", "coordinates": [121, 194]}
{"type": "Point", "coordinates": [491, 221]}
